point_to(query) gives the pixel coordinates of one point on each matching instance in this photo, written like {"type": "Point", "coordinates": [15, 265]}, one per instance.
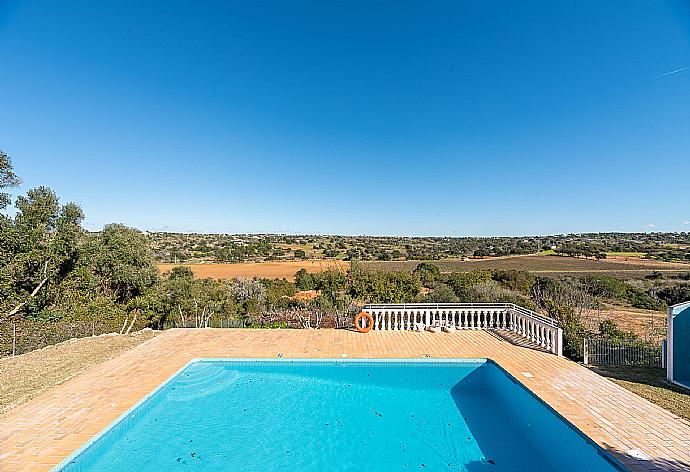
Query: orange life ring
{"type": "Point", "coordinates": [358, 325]}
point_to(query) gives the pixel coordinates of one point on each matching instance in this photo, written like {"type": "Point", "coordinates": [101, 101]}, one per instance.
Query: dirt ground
{"type": "Point", "coordinates": [27, 376]}
{"type": "Point", "coordinates": [270, 270]}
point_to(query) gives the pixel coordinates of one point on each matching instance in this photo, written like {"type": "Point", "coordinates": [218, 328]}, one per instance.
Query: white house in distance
{"type": "Point", "coordinates": [678, 347]}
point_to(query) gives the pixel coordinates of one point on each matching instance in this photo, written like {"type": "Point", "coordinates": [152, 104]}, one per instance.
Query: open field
{"type": "Point", "coordinates": [615, 265]}
{"type": "Point", "coordinates": [27, 376]}
{"type": "Point", "coordinates": [625, 254]}
{"type": "Point", "coordinates": [650, 383]}
{"type": "Point", "coordinates": [269, 270]}
{"type": "Point", "coordinates": [543, 264]}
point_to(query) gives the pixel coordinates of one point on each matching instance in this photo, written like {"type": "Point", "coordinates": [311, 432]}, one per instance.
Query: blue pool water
{"type": "Point", "coordinates": [282, 415]}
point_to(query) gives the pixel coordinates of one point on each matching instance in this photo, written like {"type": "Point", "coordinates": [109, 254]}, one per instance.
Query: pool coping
{"type": "Point", "coordinates": [463, 360]}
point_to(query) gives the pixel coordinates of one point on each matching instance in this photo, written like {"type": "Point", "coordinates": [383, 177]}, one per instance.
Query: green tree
{"type": "Point", "coordinates": [39, 247]}
{"type": "Point", "coordinates": [123, 261]}
{"type": "Point", "coordinates": [8, 179]}
{"type": "Point", "coordinates": [567, 302]}
{"type": "Point", "coordinates": [305, 280]}
{"type": "Point", "coordinates": [331, 283]}
{"type": "Point", "coordinates": [279, 293]}
{"type": "Point", "coordinates": [177, 294]}
{"type": "Point", "coordinates": [427, 273]}
{"type": "Point", "coordinates": [462, 282]}
{"type": "Point", "coordinates": [382, 286]}
{"type": "Point", "coordinates": [441, 293]}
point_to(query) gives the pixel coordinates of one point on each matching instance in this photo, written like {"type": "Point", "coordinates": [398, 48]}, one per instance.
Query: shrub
{"type": "Point", "coordinates": [441, 293]}
{"type": "Point", "coordinates": [305, 280]}
{"type": "Point", "coordinates": [519, 280]}
{"type": "Point", "coordinates": [383, 286]}
{"type": "Point", "coordinates": [462, 282]}
{"type": "Point", "coordinates": [427, 273]}
{"type": "Point", "coordinates": [609, 329]}
{"type": "Point", "coordinates": [617, 289]}
{"type": "Point", "coordinates": [676, 294]}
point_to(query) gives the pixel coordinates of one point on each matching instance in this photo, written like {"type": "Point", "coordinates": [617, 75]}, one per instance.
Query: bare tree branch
{"type": "Point", "coordinates": [16, 309]}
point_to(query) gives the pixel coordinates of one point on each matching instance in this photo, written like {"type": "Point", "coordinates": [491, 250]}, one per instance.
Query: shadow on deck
{"type": "Point", "coordinates": [516, 340]}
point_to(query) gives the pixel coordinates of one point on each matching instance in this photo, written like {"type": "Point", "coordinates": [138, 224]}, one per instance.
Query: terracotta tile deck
{"type": "Point", "coordinates": [39, 434]}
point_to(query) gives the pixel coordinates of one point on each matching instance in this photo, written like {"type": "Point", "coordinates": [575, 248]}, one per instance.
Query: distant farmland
{"type": "Point", "coordinates": [269, 270]}
{"type": "Point", "coordinates": [544, 264]}
{"type": "Point", "coordinates": [553, 265]}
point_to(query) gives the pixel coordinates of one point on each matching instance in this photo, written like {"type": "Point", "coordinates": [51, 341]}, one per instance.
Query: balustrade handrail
{"type": "Point", "coordinates": [442, 306]}
{"type": "Point", "coordinates": [540, 329]}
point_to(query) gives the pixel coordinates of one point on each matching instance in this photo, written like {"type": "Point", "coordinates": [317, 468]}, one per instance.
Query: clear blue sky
{"type": "Point", "coordinates": [353, 117]}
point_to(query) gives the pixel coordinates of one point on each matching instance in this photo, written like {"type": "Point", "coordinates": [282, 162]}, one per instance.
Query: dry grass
{"type": "Point", "coordinates": [649, 325]}
{"type": "Point", "coordinates": [650, 383]}
{"type": "Point", "coordinates": [27, 376]}
{"type": "Point", "coordinates": [269, 270]}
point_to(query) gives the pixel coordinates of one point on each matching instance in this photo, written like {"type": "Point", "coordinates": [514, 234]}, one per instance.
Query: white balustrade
{"type": "Point", "coordinates": [539, 329]}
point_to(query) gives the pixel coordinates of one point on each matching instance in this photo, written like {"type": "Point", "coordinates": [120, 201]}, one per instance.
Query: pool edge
{"type": "Point", "coordinates": [449, 360]}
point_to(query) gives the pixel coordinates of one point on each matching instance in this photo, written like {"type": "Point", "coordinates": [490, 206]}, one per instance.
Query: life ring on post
{"type": "Point", "coordinates": [361, 327]}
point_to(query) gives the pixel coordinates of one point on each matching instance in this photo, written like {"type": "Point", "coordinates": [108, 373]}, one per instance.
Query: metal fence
{"type": "Point", "coordinates": [25, 336]}
{"type": "Point", "coordinates": [609, 352]}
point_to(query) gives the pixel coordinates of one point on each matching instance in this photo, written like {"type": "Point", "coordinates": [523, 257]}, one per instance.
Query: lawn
{"type": "Point", "coordinates": [650, 383]}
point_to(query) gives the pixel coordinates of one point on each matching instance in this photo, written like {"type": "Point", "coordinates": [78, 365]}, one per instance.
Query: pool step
{"type": "Point", "coordinates": [200, 381]}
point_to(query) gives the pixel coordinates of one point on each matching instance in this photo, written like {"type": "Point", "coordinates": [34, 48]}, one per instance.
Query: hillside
{"type": "Point", "coordinates": [221, 248]}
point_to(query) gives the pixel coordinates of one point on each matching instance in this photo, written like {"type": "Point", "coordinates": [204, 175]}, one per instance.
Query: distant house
{"type": "Point", "coordinates": [678, 347]}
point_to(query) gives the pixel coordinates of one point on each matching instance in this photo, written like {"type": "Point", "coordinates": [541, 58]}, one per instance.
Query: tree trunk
{"type": "Point", "coordinates": [16, 309]}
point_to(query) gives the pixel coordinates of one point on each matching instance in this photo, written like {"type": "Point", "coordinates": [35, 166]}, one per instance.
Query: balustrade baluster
{"type": "Point", "coordinates": [532, 326]}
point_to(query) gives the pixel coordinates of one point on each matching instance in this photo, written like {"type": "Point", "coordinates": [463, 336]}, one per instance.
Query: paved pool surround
{"type": "Point", "coordinates": [38, 435]}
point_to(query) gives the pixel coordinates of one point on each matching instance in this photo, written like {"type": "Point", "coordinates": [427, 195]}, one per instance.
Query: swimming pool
{"type": "Point", "coordinates": [340, 415]}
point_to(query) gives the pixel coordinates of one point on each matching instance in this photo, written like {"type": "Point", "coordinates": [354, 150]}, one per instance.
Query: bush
{"type": "Point", "coordinates": [441, 293]}
{"type": "Point", "coordinates": [519, 280]}
{"type": "Point", "coordinates": [492, 292]}
{"type": "Point", "coordinates": [383, 286]}
{"type": "Point", "coordinates": [676, 294]}
{"type": "Point", "coordinates": [565, 301]}
{"type": "Point", "coordinates": [427, 273]}
{"type": "Point", "coordinates": [305, 280]}
{"type": "Point", "coordinates": [610, 330]}
{"type": "Point", "coordinates": [462, 282]}
{"type": "Point", "coordinates": [574, 333]}
{"type": "Point", "coordinates": [617, 289]}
